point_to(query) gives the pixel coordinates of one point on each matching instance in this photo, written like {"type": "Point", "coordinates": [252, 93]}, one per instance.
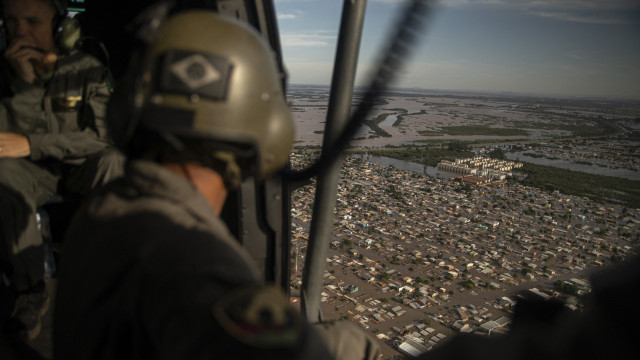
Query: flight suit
{"type": "Point", "coordinates": [150, 271]}
{"type": "Point", "coordinates": [63, 116]}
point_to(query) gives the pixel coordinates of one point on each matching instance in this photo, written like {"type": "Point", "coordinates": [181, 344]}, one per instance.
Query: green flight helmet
{"type": "Point", "coordinates": [214, 78]}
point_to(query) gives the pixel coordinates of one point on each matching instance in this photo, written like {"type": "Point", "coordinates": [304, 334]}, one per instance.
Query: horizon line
{"type": "Point", "coordinates": [495, 92]}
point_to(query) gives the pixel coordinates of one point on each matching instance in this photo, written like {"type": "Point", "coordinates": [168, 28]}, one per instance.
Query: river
{"type": "Point", "coordinates": [389, 120]}
{"type": "Point", "coordinates": [570, 165]}
{"type": "Point", "coordinates": [565, 164]}
{"type": "Point", "coordinates": [406, 166]}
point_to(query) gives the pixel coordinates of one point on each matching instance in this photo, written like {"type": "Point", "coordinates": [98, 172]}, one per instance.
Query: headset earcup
{"type": "Point", "coordinates": [69, 34]}
{"type": "Point", "coordinates": [57, 24]}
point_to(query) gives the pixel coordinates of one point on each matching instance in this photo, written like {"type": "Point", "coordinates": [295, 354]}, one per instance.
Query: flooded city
{"type": "Point", "coordinates": [419, 255]}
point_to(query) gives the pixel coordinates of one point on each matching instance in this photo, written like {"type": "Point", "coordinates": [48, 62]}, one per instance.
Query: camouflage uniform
{"type": "Point", "coordinates": [62, 115]}
{"type": "Point", "coordinates": [151, 271]}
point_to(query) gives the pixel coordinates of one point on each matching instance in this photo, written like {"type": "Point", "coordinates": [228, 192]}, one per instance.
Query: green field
{"type": "Point", "coordinates": [597, 187]}
{"type": "Point", "coordinates": [475, 130]}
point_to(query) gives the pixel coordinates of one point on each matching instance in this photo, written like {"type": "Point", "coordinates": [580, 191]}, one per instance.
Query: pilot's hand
{"type": "Point", "coordinates": [14, 145]}
{"type": "Point", "coordinates": [27, 60]}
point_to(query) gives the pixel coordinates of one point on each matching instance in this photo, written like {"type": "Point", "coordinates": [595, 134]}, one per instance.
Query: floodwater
{"type": "Point", "coordinates": [406, 166]}
{"type": "Point", "coordinates": [389, 120]}
{"type": "Point", "coordinates": [565, 164]}
{"type": "Point", "coordinates": [570, 165]}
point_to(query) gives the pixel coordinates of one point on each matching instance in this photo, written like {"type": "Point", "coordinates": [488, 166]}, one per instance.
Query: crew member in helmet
{"type": "Point", "coordinates": [53, 140]}
{"type": "Point", "coordinates": [149, 268]}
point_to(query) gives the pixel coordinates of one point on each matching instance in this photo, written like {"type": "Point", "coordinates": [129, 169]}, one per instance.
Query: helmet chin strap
{"type": "Point", "coordinates": [172, 140]}
{"type": "Point", "coordinates": [228, 169]}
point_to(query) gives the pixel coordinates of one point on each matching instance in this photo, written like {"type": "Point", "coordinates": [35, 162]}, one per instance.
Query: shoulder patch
{"type": "Point", "coordinates": [259, 316]}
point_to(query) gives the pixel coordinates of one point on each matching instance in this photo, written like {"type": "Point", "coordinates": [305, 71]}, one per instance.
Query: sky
{"type": "Point", "coordinates": [560, 48]}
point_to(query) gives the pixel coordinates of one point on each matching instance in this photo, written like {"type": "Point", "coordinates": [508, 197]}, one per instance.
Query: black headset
{"type": "Point", "coordinates": [57, 24]}
{"type": "Point", "coordinates": [58, 20]}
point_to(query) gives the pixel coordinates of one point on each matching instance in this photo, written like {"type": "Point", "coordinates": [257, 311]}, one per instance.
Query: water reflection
{"type": "Point", "coordinates": [405, 165]}
{"type": "Point", "coordinates": [389, 120]}
{"type": "Point", "coordinates": [565, 164]}
{"type": "Point", "coordinates": [571, 165]}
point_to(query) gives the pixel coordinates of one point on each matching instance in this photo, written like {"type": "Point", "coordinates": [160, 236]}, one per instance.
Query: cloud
{"type": "Point", "coordinates": [291, 14]}
{"type": "Point", "coordinates": [306, 40]}
{"type": "Point", "coordinates": [551, 4]}
{"type": "Point", "coordinates": [291, 1]}
{"type": "Point", "coordinates": [582, 11]}
{"type": "Point", "coordinates": [581, 18]}
{"type": "Point", "coordinates": [390, 1]}
{"type": "Point", "coordinates": [574, 55]}
{"type": "Point", "coordinates": [287, 16]}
